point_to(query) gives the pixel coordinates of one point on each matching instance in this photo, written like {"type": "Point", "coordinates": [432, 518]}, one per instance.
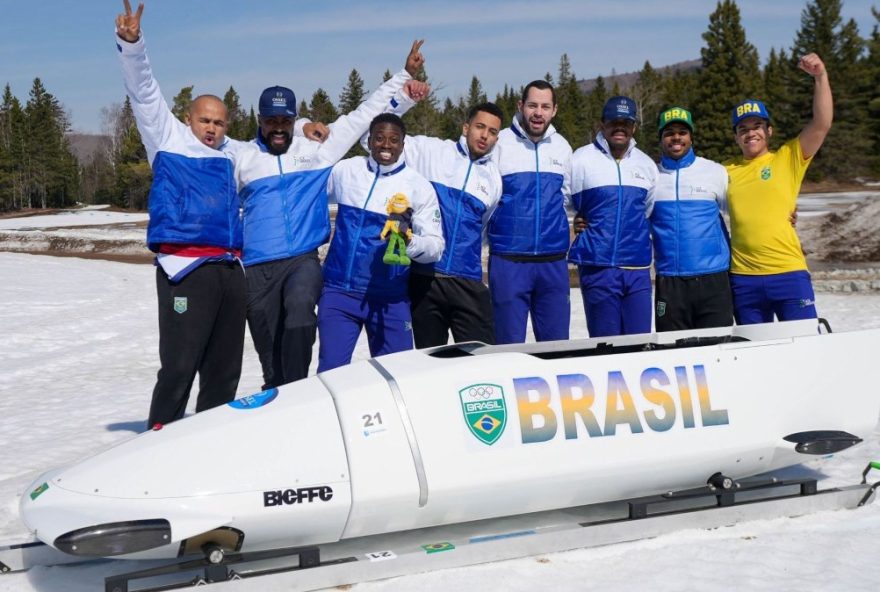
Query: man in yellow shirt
{"type": "Point", "coordinates": [768, 269]}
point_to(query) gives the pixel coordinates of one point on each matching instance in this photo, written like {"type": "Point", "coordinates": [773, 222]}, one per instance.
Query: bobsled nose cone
{"type": "Point", "coordinates": [115, 538]}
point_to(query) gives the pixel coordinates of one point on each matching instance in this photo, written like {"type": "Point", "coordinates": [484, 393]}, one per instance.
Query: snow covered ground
{"type": "Point", "coordinates": [78, 358]}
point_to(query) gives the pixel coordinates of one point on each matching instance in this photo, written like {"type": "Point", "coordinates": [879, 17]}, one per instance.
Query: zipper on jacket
{"type": "Point", "coordinates": [537, 200]}
{"type": "Point", "coordinates": [457, 217]}
{"type": "Point", "coordinates": [619, 210]}
{"type": "Point", "coordinates": [287, 225]}
{"type": "Point", "coordinates": [357, 236]}
{"type": "Point", "coordinates": [677, 224]}
{"type": "Point", "coordinates": [233, 200]}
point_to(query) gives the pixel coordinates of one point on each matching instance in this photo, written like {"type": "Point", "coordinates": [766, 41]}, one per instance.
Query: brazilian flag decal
{"type": "Point", "coordinates": [438, 547]}
{"type": "Point", "coordinates": [39, 491]}
{"type": "Point", "coordinates": [484, 412]}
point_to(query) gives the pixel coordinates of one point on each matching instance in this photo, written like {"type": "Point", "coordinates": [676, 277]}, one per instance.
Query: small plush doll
{"type": "Point", "coordinates": [398, 225]}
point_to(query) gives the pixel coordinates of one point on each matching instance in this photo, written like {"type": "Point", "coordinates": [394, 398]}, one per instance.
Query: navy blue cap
{"type": "Point", "coordinates": [749, 108]}
{"type": "Point", "coordinates": [277, 100]}
{"type": "Point", "coordinates": [620, 108]}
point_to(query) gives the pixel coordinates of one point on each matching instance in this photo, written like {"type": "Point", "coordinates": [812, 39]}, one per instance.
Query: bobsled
{"type": "Point", "coordinates": [467, 432]}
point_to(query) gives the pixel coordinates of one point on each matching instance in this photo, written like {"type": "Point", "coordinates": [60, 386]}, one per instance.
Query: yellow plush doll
{"type": "Point", "coordinates": [398, 225]}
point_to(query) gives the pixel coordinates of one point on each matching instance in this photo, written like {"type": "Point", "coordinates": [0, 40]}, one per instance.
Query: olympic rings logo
{"type": "Point", "coordinates": [481, 392]}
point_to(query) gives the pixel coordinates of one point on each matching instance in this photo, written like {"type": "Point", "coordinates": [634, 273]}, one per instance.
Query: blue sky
{"type": "Point", "coordinates": [306, 45]}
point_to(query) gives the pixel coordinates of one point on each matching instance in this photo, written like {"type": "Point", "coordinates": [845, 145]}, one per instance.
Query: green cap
{"type": "Point", "coordinates": [675, 114]}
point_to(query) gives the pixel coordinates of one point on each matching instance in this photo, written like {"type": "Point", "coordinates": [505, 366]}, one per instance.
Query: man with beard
{"type": "Point", "coordinates": [196, 233]}
{"type": "Point", "coordinates": [529, 232]}
{"type": "Point", "coordinates": [450, 295]}
{"type": "Point", "coordinates": [612, 185]}
{"type": "Point", "coordinates": [691, 252]}
{"type": "Point", "coordinates": [282, 181]}
{"type": "Point", "coordinates": [360, 290]}
{"type": "Point", "coordinates": [768, 270]}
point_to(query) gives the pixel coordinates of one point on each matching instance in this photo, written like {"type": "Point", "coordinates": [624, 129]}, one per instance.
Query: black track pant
{"type": "Point", "coordinates": [282, 296]}
{"type": "Point", "coordinates": [697, 302]}
{"type": "Point", "coordinates": [442, 303]}
{"type": "Point", "coordinates": [201, 329]}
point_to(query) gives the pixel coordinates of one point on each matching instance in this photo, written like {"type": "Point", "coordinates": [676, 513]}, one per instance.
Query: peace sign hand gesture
{"type": "Point", "coordinates": [128, 25]}
{"type": "Point", "coordinates": [415, 60]}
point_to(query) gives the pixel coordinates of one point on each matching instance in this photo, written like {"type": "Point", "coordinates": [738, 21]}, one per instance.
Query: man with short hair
{"type": "Point", "coordinates": [612, 185]}
{"type": "Point", "coordinates": [529, 231]}
{"type": "Point", "coordinates": [449, 295]}
{"type": "Point", "coordinates": [196, 233]}
{"type": "Point", "coordinates": [691, 251]}
{"type": "Point", "coordinates": [361, 290]}
{"type": "Point", "coordinates": [768, 269]}
{"type": "Point", "coordinates": [282, 180]}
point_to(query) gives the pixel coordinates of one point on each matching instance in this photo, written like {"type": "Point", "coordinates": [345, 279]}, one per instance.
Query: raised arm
{"type": "Point", "coordinates": [812, 136]}
{"type": "Point", "coordinates": [346, 130]}
{"type": "Point", "coordinates": [154, 118]}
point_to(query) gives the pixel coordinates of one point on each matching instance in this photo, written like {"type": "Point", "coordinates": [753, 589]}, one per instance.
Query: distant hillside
{"type": "Point", "coordinates": [85, 146]}
{"type": "Point", "coordinates": [625, 81]}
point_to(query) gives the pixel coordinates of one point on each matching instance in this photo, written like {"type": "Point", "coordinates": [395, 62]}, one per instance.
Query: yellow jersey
{"type": "Point", "coordinates": [761, 196]}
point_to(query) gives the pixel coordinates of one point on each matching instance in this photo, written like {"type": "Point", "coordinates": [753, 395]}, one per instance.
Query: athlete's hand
{"type": "Point", "coordinates": [812, 65]}
{"type": "Point", "coordinates": [416, 89]}
{"type": "Point", "coordinates": [792, 218]}
{"type": "Point", "coordinates": [579, 224]}
{"type": "Point", "coordinates": [316, 131]}
{"type": "Point", "coordinates": [128, 25]}
{"type": "Point", "coordinates": [415, 60]}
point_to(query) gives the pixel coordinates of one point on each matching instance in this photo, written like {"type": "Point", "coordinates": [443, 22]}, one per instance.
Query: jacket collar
{"type": "Point", "coordinates": [602, 144]}
{"type": "Point", "coordinates": [517, 129]}
{"type": "Point", "coordinates": [464, 151]}
{"type": "Point", "coordinates": [386, 170]}
{"type": "Point", "coordinates": [670, 164]}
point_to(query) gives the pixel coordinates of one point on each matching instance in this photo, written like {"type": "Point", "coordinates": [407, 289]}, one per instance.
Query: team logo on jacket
{"type": "Point", "coordinates": [484, 411]}
{"type": "Point", "coordinates": [765, 173]}
{"type": "Point", "coordinates": [180, 304]}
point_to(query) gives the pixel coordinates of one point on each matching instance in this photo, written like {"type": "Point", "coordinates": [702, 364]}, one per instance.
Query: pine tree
{"type": "Point", "coordinates": [238, 124]}
{"type": "Point", "coordinates": [12, 152]}
{"type": "Point", "coordinates": [870, 90]}
{"type": "Point", "coordinates": [133, 174]}
{"type": "Point", "coordinates": [321, 107]}
{"type": "Point", "coordinates": [451, 119]}
{"type": "Point", "coordinates": [571, 114]}
{"type": "Point", "coordinates": [840, 47]}
{"type": "Point", "coordinates": [303, 110]}
{"type": "Point", "coordinates": [181, 102]}
{"type": "Point", "coordinates": [729, 75]}
{"type": "Point", "coordinates": [647, 93]}
{"type": "Point", "coordinates": [595, 102]}
{"type": "Point", "coordinates": [424, 119]}
{"type": "Point", "coordinates": [51, 167]}
{"type": "Point", "coordinates": [475, 94]}
{"type": "Point", "coordinates": [779, 75]}
{"type": "Point", "coordinates": [353, 94]}
{"type": "Point", "coordinates": [507, 101]}
{"type": "Point", "coordinates": [252, 125]}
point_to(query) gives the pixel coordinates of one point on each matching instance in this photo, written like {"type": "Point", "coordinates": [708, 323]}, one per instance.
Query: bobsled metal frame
{"type": "Point", "coordinates": [349, 561]}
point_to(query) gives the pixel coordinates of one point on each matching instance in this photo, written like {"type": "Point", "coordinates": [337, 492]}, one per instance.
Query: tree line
{"type": "Point", "coordinates": [38, 169]}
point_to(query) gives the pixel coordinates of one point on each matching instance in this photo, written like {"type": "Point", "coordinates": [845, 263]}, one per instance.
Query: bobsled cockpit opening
{"type": "Point", "coordinates": [458, 350]}
{"type": "Point", "coordinates": [602, 348]}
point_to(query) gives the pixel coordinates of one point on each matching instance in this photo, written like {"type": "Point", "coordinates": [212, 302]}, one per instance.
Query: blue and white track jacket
{"type": "Point", "coordinates": [468, 192]}
{"type": "Point", "coordinates": [193, 198]}
{"type": "Point", "coordinates": [362, 188]}
{"type": "Point", "coordinates": [616, 198]}
{"type": "Point", "coordinates": [285, 196]}
{"type": "Point", "coordinates": [690, 237]}
{"type": "Point", "coordinates": [531, 217]}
